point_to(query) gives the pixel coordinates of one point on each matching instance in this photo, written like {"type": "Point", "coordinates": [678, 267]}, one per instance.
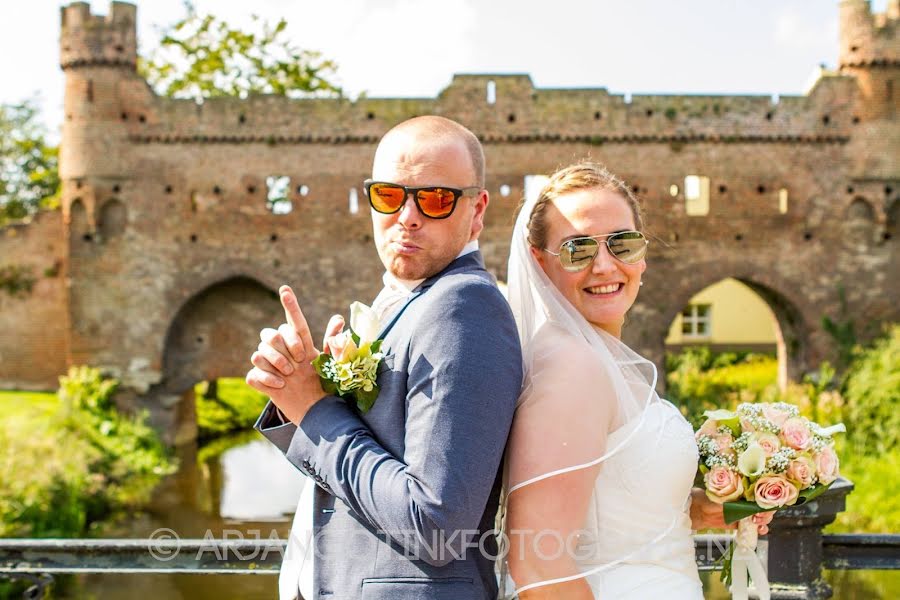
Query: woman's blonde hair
{"type": "Point", "coordinates": [584, 175]}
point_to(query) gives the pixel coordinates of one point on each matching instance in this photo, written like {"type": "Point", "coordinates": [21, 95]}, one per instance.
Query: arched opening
{"type": "Point", "coordinates": [236, 477]}
{"type": "Point", "coordinates": [113, 219]}
{"type": "Point", "coordinates": [735, 335]}
{"type": "Point", "coordinates": [860, 212]}
{"type": "Point", "coordinates": [211, 337]}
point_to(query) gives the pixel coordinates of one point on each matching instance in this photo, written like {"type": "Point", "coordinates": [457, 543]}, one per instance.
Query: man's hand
{"type": "Point", "coordinates": [706, 514]}
{"type": "Point", "coordinates": [282, 366]}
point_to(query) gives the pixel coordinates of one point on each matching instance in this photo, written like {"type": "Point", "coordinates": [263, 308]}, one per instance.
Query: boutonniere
{"type": "Point", "coordinates": [349, 371]}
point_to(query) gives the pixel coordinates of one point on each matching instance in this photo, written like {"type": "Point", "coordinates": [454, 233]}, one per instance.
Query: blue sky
{"type": "Point", "coordinates": [413, 47]}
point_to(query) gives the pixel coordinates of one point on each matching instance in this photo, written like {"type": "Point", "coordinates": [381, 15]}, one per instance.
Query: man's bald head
{"type": "Point", "coordinates": [439, 128]}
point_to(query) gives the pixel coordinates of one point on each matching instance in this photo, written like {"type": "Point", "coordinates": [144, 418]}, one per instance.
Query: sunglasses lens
{"type": "Point", "coordinates": [577, 254]}
{"type": "Point", "coordinates": [436, 202]}
{"type": "Point", "coordinates": [386, 198]}
{"type": "Point", "coordinates": [628, 246]}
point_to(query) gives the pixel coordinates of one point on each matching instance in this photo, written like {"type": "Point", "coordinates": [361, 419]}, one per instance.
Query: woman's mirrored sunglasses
{"type": "Point", "coordinates": [579, 253]}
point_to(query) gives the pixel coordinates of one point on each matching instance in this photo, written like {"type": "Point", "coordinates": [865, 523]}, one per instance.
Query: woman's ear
{"type": "Point", "coordinates": [538, 255]}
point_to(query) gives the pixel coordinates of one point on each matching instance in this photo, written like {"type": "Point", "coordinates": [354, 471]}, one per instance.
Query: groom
{"type": "Point", "coordinates": [404, 495]}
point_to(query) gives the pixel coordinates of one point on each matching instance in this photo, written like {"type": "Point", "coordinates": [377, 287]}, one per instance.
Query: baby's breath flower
{"type": "Point", "coordinates": [778, 462]}
{"type": "Point", "coordinates": [740, 444]}
{"type": "Point", "coordinates": [707, 446]}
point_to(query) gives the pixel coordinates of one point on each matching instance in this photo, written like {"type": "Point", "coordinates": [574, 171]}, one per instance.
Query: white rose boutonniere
{"type": "Point", "coordinates": [351, 368]}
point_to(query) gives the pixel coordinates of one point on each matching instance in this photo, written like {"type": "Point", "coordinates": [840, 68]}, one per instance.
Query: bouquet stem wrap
{"type": "Point", "coordinates": [745, 562]}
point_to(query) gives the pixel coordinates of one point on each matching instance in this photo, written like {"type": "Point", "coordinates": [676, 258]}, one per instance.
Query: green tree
{"type": "Point", "coordinates": [29, 179]}
{"type": "Point", "coordinates": [201, 56]}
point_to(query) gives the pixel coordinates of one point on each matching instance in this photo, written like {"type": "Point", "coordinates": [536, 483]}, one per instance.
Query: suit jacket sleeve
{"type": "Point", "coordinates": [464, 377]}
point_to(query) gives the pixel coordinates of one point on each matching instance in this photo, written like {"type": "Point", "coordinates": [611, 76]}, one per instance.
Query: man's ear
{"type": "Point", "coordinates": [479, 206]}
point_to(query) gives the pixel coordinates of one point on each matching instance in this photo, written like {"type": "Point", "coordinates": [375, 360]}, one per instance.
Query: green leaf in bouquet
{"type": "Point", "coordinates": [740, 509]}
{"type": "Point", "coordinates": [698, 477]}
{"type": "Point", "coordinates": [355, 337]}
{"type": "Point", "coordinates": [328, 386]}
{"type": "Point", "coordinates": [376, 346]}
{"type": "Point", "coordinates": [320, 362]}
{"type": "Point", "coordinates": [811, 493]}
{"type": "Point", "coordinates": [365, 400]}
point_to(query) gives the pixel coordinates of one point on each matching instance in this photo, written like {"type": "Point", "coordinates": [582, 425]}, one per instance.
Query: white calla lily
{"type": "Point", "coordinates": [364, 322]}
{"type": "Point", "coordinates": [830, 431]}
{"type": "Point", "coordinates": [752, 461]}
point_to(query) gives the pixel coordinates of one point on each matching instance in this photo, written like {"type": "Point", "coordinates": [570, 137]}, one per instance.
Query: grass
{"type": "Point", "coordinates": [67, 465]}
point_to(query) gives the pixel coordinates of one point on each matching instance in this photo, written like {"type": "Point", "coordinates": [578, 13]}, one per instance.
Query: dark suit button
{"type": "Point", "coordinates": [305, 464]}
{"type": "Point", "coordinates": [325, 486]}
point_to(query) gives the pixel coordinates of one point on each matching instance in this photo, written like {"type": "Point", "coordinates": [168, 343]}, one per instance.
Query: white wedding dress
{"type": "Point", "coordinates": [639, 513]}
{"type": "Point", "coordinates": [617, 461]}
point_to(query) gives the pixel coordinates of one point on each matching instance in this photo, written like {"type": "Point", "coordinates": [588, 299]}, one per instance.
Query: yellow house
{"type": "Point", "coordinates": [727, 315]}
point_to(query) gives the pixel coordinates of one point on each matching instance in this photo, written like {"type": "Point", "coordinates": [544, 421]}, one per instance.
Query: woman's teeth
{"type": "Point", "coordinates": [605, 289]}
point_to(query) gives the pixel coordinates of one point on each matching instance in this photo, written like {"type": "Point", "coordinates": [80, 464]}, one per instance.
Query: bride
{"type": "Point", "coordinates": [599, 469]}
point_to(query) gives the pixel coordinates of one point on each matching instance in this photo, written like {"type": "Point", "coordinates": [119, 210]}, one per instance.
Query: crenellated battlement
{"type": "Point", "coordinates": [97, 40]}
{"type": "Point", "coordinates": [868, 39]}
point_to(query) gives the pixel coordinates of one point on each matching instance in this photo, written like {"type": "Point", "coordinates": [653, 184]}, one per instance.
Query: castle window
{"type": "Point", "coordinates": [277, 200]}
{"type": "Point", "coordinates": [505, 190]}
{"type": "Point", "coordinates": [491, 92]}
{"type": "Point", "coordinates": [696, 195]}
{"type": "Point", "coordinates": [783, 201]}
{"type": "Point", "coordinates": [673, 190]}
{"type": "Point", "coordinates": [696, 321]}
{"type": "Point", "coordinates": [353, 201]}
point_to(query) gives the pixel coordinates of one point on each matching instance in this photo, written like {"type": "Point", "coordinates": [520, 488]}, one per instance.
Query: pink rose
{"type": "Point", "coordinates": [708, 428]}
{"type": "Point", "coordinates": [796, 433]}
{"type": "Point", "coordinates": [775, 415]}
{"type": "Point", "coordinates": [827, 465]}
{"type": "Point", "coordinates": [723, 485]}
{"type": "Point", "coordinates": [769, 442]}
{"type": "Point", "coordinates": [775, 491]}
{"type": "Point", "coordinates": [342, 346]}
{"type": "Point", "coordinates": [746, 425]}
{"type": "Point", "coordinates": [802, 471]}
{"type": "Point", "coordinates": [723, 441]}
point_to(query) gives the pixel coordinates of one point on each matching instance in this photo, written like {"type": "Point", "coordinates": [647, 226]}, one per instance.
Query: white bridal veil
{"type": "Point", "coordinates": [584, 400]}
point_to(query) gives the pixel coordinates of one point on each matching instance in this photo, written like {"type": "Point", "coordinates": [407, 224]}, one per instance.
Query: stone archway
{"type": "Point", "coordinates": [792, 330]}
{"type": "Point", "coordinates": [211, 336]}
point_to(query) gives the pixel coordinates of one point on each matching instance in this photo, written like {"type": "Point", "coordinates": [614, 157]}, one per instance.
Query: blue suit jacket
{"type": "Point", "coordinates": [407, 491]}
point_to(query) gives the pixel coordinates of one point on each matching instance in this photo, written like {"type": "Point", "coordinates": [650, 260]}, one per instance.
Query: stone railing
{"type": "Point", "coordinates": [796, 552]}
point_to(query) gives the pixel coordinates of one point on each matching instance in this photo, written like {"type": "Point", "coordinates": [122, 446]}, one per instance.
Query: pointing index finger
{"type": "Point", "coordinates": [295, 318]}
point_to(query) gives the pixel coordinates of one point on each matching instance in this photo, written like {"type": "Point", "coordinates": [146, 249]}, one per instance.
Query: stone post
{"type": "Point", "coordinates": [795, 545]}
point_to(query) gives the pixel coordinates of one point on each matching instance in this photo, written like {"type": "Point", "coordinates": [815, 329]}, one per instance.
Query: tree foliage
{"type": "Point", "coordinates": [201, 56]}
{"type": "Point", "coordinates": [29, 179]}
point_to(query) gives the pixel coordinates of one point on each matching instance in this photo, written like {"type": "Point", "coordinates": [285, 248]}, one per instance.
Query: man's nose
{"type": "Point", "coordinates": [409, 215]}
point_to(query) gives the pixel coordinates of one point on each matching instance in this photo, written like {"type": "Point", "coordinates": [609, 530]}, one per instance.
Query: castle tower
{"type": "Point", "coordinates": [98, 55]}
{"type": "Point", "coordinates": [870, 52]}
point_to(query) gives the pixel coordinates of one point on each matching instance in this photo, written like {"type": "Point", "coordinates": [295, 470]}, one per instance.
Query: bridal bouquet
{"type": "Point", "coordinates": [758, 458]}
{"type": "Point", "coordinates": [349, 371]}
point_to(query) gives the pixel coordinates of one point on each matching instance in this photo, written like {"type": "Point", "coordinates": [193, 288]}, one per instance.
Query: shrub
{"type": "Point", "coordinates": [872, 391]}
{"type": "Point", "coordinates": [60, 472]}
{"type": "Point", "coordinates": [236, 406]}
